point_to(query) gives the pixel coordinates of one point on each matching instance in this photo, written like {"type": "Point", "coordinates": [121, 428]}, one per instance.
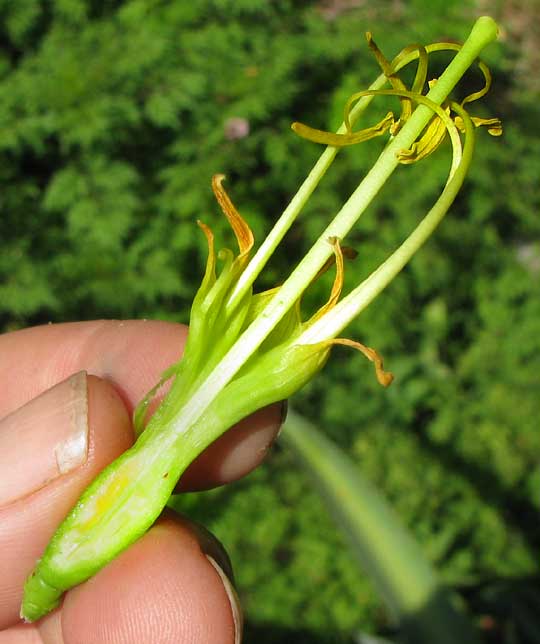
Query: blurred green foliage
{"type": "Point", "coordinates": [113, 117]}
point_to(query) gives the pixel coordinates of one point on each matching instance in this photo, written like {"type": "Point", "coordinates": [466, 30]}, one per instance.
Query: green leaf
{"type": "Point", "coordinates": [383, 547]}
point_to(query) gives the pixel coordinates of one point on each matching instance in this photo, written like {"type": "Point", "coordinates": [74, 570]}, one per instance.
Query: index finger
{"type": "Point", "coordinates": [130, 354]}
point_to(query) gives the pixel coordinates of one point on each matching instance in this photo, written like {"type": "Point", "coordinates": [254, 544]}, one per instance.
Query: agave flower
{"type": "Point", "coordinates": [247, 350]}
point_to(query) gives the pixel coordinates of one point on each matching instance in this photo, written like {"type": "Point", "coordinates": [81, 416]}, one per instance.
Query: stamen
{"type": "Point", "coordinates": [487, 85]}
{"type": "Point", "coordinates": [337, 286]}
{"type": "Point", "coordinates": [494, 125]}
{"type": "Point", "coordinates": [384, 378]}
{"type": "Point", "coordinates": [421, 70]}
{"type": "Point", "coordinates": [347, 252]}
{"type": "Point", "coordinates": [441, 113]}
{"type": "Point", "coordinates": [340, 140]}
{"type": "Point", "coordinates": [433, 136]}
{"type": "Point", "coordinates": [394, 80]}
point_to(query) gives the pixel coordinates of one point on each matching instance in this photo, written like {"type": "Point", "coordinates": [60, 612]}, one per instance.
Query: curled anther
{"type": "Point", "coordinates": [494, 125]}
{"type": "Point", "coordinates": [484, 90]}
{"type": "Point", "coordinates": [384, 378]}
{"type": "Point", "coordinates": [394, 80]}
{"type": "Point", "coordinates": [433, 136]}
{"type": "Point", "coordinates": [422, 68]}
{"type": "Point", "coordinates": [348, 253]}
{"type": "Point", "coordinates": [339, 140]}
{"type": "Point", "coordinates": [337, 286]}
{"type": "Point", "coordinates": [434, 133]}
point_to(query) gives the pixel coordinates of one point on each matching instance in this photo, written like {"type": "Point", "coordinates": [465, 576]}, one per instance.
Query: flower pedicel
{"type": "Point", "coordinates": [246, 350]}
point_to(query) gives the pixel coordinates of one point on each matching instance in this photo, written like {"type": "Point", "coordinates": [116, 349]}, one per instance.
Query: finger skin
{"type": "Point", "coordinates": [162, 590]}
{"type": "Point", "coordinates": [131, 355]}
{"type": "Point", "coordinates": [27, 525]}
{"type": "Point", "coordinates": [235, 453]}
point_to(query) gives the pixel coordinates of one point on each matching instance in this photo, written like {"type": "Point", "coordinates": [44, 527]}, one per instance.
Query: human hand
{"type": "Point", "coordinates": [58, 429]}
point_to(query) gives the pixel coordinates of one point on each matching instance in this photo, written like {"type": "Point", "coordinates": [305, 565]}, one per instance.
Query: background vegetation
{"type": "Point", "coordinates": [113, 117]}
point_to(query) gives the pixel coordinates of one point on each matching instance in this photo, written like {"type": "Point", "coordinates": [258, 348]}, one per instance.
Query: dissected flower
{"type": "Point", "coordinates": [246, 350]}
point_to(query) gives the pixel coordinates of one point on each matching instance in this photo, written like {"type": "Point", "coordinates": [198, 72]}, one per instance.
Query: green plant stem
{"type": "Point", "coordinates": [359, 298]}
{"type": "Point", "coordinates": [394, 561]}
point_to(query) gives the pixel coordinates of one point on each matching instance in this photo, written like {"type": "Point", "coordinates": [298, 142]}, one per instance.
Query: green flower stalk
{"type": "Point", "coordinates": [246, 350]}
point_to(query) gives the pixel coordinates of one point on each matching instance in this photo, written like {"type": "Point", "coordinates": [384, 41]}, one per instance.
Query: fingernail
{"type": "Point", "coordinates": [218, 557]}
{"type": "Point", "coordinates": [282, 417]}
{"type": "Point", "coordinates": [284, 410]}
{"type": "Point", "coordinates": [233, 600]}
{"type": "Point", "coordinates": [44, 439]}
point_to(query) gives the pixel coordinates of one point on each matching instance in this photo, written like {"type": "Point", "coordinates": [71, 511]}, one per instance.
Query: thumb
{"type": "Point", "coordinates": [50, 450]}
